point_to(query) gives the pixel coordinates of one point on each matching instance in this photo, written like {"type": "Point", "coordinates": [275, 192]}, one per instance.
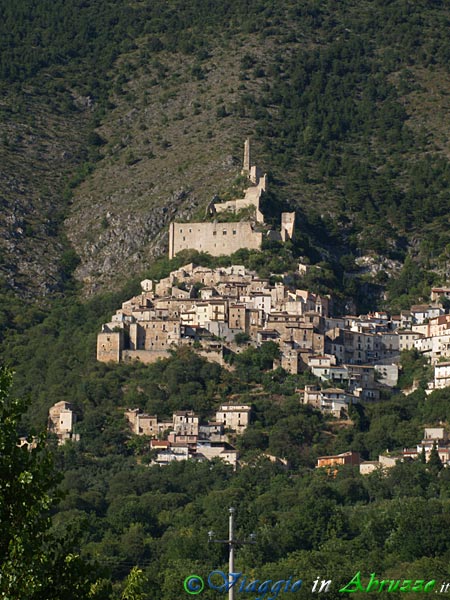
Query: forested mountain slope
{"type": "Point", "coordinates": [117, 117]}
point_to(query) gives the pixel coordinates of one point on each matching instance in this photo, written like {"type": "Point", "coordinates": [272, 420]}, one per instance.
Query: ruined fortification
{"type": "Point", "coordinates": [215, 238]}
{"type": "Point", "coordinates": [218, 238]}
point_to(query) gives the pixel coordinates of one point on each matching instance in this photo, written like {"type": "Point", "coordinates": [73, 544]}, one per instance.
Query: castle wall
{"type": "Point", "coordinates": [154, 335]}
{"type": "Point", "coordinates": [215, 238]}
{"type": "Point", "coordinates": [252, 198]}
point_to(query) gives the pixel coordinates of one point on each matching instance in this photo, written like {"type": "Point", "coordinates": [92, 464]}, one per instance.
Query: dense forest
{"type": "Point", "coordinates": [347, 104]}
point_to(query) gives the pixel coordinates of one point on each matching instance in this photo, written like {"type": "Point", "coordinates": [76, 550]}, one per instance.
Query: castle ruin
{"type": "Point", "coordinates": [222, 238]}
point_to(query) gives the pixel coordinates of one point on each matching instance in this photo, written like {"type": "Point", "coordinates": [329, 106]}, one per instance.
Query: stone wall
{"type": "Point", "coordinates": [216, 238]}
{"type": "Point", "coordinates": [144, 356]}
{"type": "Point", "coordinates": [252, 198]}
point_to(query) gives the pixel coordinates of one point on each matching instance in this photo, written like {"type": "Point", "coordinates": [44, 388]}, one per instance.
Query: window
{"type": "Point", "coordinates": [224, 232]}
{"type": "Point", "coordinates": [234, 231]}
{"type": "Point", "coordinates": [214, 232]}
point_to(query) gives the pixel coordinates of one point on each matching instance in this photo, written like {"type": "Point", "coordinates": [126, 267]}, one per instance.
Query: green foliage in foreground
{"type": "Point", "coordinates": [158, 519]}
{"type": "Point", "coordinates": [35, 564]}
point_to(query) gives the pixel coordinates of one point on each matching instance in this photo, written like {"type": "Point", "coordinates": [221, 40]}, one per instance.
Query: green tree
{"type": "Point", "coordinates": [34, 564]}
{"type": "Point", "coordinates": [135, 585]}
{"type": "Point", "coordinates": [435, 462]}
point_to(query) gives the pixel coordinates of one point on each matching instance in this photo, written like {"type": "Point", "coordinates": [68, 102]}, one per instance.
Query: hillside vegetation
{"type": "Point", "coordinates": [134, 114]}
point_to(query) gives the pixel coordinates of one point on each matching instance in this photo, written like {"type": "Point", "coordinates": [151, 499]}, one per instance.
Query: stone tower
{"type": "Point", "coordinates": [246, 165]}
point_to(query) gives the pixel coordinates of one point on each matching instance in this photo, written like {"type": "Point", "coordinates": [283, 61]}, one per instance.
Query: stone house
{"type": "Point", "coordinates": [338, 460]}
{"type": "Point", "coordinates": [155, 334]}
{"type": "Point", "coordinates": [291, 358]}
{"type": "Point", "coordinates": [110, 345]}
{"type": "Point", "coordinates": [221, 450]}
{"type": "Point", "coordinates": [238, 317]}
{"type": "Point", "coordinates": [141, 423]}
{"type": "Point", "coordinates": [422, 312]}
{"type": "Point", "coordinates": [234, 416]}
{"type": "Point", "coordinates": [438, 292]}
{"type": "Point", "coordinates": [185, 423]}
{"type": "Point", "coordinates": [434, 347]}
{"type": "Point", "coordinates": [384, 462]}
{"type": "Point", "coordinates": [61, 420]}
{"type": "Point", "coordinates": [333, 401]}
{"type": "Point", "coordinates": [407, 338]}
{"type": "Point", "coordinates": [438, 326]}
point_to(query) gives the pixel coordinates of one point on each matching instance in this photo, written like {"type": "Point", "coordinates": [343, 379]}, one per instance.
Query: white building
{"type": "Point", "coordinates": [185, 422]}
{"type": "Point", "coordinates": [331, 400]}
{"type": "Point", "coordinates": [441, 375]}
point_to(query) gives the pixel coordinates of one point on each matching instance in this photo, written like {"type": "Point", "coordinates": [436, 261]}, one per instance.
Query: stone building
{"type": "Point", "coordinates": [334, 401]}
{"type": "Point", "coordinates": [109, 345]}
{"type": "Point", "coordinates": [338, 460]}
{"type": "Point", "coordinates": [154, 334]}
{"type": "Point", "coordinates": [185, 422]}
{"type": "Point", "coordinates": [441, 375]}
{"type": "Point", "coordinates": [234, 416]}
{"type": "Point", "coordinates": [141, 423]}
{"type": "Point", "coordinates": [61, 419]}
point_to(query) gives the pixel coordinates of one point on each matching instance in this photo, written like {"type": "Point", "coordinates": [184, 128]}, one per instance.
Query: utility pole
{"type": "Point", "coordinates": [232, 542]}
{"type": "Point", "coordinates": [231, 552]}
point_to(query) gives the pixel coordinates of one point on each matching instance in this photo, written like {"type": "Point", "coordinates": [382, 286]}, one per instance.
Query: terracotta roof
{"type": "Point", "coordinates": [159, 443]}
{"type": "Point", "coordinates": [342, 455]}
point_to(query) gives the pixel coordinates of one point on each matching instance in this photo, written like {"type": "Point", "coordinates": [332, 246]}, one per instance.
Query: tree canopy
{"type": "Point", "coordinates": [35, 564]}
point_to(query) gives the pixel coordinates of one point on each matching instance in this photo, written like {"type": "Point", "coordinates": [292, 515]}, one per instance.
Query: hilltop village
{"type": "Point", "coordinates": [222, 311]}
{"type": "Point", "coordinates": [218, 312]}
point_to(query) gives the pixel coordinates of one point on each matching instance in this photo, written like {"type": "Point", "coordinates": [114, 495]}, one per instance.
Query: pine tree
{"type": "Point", "coordinates": [434, 461]}
{"type": "Point", "coordinates": [423, 457]}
